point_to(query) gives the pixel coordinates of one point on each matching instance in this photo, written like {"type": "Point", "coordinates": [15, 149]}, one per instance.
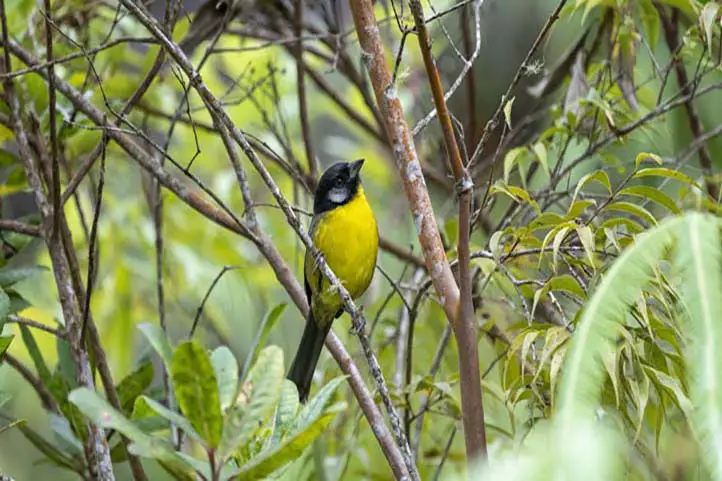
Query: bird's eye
{"type": "Point", "coordinates": [339, 181]}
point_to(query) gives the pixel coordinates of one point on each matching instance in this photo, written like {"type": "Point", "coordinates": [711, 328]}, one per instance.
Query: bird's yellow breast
{"type": "Point", "coordinates": [348, 238]}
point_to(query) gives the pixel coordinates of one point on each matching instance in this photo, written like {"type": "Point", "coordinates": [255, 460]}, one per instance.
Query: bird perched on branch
{"type": "Point", "coordinates": [344, 230]}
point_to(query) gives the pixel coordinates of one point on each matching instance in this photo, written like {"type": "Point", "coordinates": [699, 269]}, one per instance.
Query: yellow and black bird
{"type": "Point", "coordinates": [344, 230]}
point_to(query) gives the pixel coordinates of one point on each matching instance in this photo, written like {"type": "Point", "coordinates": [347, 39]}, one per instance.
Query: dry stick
{"type": "Point", "coordinates": [96, 450]}
{"type": "Point", "coordinates": [465, 328]}
{"type": "Point", "coordinates": [670, 26]}
{"type": "Point", "coordinates": [220, 116]}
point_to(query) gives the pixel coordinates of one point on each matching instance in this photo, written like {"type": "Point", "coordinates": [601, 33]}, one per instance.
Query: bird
{"type": "Point", "coordinates": [344, 230]}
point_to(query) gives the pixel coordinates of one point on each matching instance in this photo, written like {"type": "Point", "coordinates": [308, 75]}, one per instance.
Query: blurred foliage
{"type": "Point", "coordinates": [596, 291]}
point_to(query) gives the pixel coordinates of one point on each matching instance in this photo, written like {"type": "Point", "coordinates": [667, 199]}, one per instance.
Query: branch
{"type": "Point", "coordinates": [464, 323]}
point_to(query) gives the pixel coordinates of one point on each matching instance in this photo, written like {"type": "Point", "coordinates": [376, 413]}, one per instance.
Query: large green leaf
{"type": "Point", "coordinates": [226, 368]}
{"type": "Point", "coordinates": [290, 449]}
{"type": "Point", "coordinates": [10, 276]}
{"type": "Point", "coordinates": [699, 258]}
{"type": "Point", "coordinates": [285, 411]}
{"type": "Point", "coordinates": [582, 374]}
{"type": "Point", "coordinates": [196, 390]}
{"type": "Point", "coordinates": [266, 382]}
{"type": "Point", "coordinates": [172, 416]}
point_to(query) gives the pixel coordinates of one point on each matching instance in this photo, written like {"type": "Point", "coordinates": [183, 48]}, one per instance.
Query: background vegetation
{"type": "Point", "coordinates": [149, 280]}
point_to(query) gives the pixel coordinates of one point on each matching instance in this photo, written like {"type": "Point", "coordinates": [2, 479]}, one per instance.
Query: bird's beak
{"type": "Point", "coordinates": [356, 167]}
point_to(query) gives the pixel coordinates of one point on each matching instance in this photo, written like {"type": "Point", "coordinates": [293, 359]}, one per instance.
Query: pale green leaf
{"type": "Point", "coordinates": [226, 368]}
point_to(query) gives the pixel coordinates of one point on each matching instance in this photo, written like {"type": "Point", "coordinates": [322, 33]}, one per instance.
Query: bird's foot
{"type": "Point", "coordinates": [358, 323]}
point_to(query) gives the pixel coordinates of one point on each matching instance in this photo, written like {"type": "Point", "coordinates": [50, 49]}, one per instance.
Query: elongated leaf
{"type": "Point", "coordinates": [582, 376]}
{"type": "Point", "coordinates": [317, 406]}
{"type": "Point", "coordinates": [287, 451]}
{"type": "Point", "coordinates": [700, 260]}
{"type": "Point", "coordinates": [226, 368]}
{"type": "Point", "coordinates": [134, 385]}
{"type": "Point", "coordinates": [49, 450]}
{"type": "Point", "coordinates": [196, 389]}
{"type": "Point", "coordinates": [100, 412]}
{"type": "Point", "coordinates": [4, 308]}
{"type": "Point", "coordinates": [652, 193]}
{"type": "Point", "coordinates": [269, 322]}
{"type": "Point", "coordinates": [265, 381]}
{"type": "Point", "coordinates": [285, 411]}
{"type": "Point", "coordinates": [10, 276]}
{"type": "Point", "coordinates": [159, 341]}
{"type": "Point", "coordinates": [5, 343]}
{"type": "Point", "coordinates": [40, 366]}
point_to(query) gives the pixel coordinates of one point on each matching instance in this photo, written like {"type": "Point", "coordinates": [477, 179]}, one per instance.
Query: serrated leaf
{"type": "Point", "coordinates": [159, 341]}
{"type": "Point", "coordinates": [196, 390]}
{"type": "Point", "coordinates": [316, 406]}
{"type": "Point", "coordinates": [290, 449]}
{"type": "Point", "coordinates": [265, 382]}
{"type": "Point", "coordinates": [285, 411]}
{"type": "Point", "coordinates": [226, 369]}
{"type": "Point", "coordinates": [269, 322]}
{"type": "Point", "coordinates": [134, 385]}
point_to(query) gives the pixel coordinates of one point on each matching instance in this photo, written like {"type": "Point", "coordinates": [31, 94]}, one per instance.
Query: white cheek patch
{"type": "Point", "coordinates": [338, 195]}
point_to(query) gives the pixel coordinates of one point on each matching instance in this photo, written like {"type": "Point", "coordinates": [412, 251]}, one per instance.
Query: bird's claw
{"type": "Point", "coordinates": [358, 323]}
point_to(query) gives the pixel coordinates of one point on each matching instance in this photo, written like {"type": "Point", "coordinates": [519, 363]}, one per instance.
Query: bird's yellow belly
{"type": "Point", "coordinates": [348, 238]}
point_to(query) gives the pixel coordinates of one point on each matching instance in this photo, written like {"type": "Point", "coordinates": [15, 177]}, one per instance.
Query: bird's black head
{"type": "Point", "coordinates": [338, 185]}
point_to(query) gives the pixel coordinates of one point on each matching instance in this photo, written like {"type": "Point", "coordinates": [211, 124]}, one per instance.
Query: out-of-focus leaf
{"type": "Point", "coordinates": [599, 176]}
{"type": "Point", "coordinates": [159, 341]}
{"type": "Point", "coordinates": [516, 193]}
{"type": "Point", "coordinates": [226, 368]}
{"type": "Point", "coordinates": [541, 154]}
{"type": "Point", "coordinates": [35, 355]}
{"type": "Point", "coordinates": [707, 18]}
{"type": "Point", "coordinates": [269, 322]}
{"type": "Point", "coordinates": [196, 389]}
{"type": "Point", "coordinates": [668, 173]}
{"type": "Point", "coordinates": [647, 155]}
{"type": "Point", "coordinates": [4, 308]}
{"type": "Point", "coordinates": [49, 450]}
{"type": "Point", "coordinates": [134, 385]}
{"type": "Point", "coordinates": [11, 276]}
{"type": "Point", "coordinates": [634, 209]}
{"type": "Point", "coordinates": [507, 111]}
{"type": "Point", "coordinates": [5, 343]}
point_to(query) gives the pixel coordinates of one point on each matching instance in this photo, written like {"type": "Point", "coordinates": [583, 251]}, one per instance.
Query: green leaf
{"type": "Point", "coordinates": [285, 411]}
{"type": "Point", "coordinates": [4, 308]}
{"type": "Point", "coordinates": [265, 381]}
{"type": "Point", "coordinates": [134, 385]}
{"type": "Point", "coordinates": [172, 416]}
{"type": "Point", "coordinates": [316, 406]}
{"type": "Point", "coordinates": [653, 194]}
{"type": "Point", "coordinates": [226, 369]}
{"type": "Point", "coordinates": [511, 159]}
{"type": "Point", "coordinates": [699, 259]}
{"type": "Point", "coordinates": [603, 314]}
{"type": "Point", "coordinates": [196, 389]}
{"type": "Point", "coordinates": [541, 153]}
{"type": "Point", "coordinates": [49, 450]}
{"type": "Point", "coordinates": [269, 322]}
{"type": "Point", "coordinates": [707, 18]}
{"type": "Point", "coordinates": [5, 344]}
{"type": "Point", "coordinates": [101, 413]}
{"type": "Point", "coordinates": [9, 276]}
{"type": "Point", "coordinates": [516, 193]}
{"type": "Point", "coordinates": [507, 111]}
{"type": "Point", "coordinates": [587, 239]}
{"type": "Point", "coordinates": [634, 209]}
{"type": "Point", "coordinates": [668, 173]}
{"type": "Point", "coordinates": [599, 176]}
{"type": "Point", "coordinates": [159, 341]}
{"type": "Point", "coordinates": [35, 355]}
{"type": "Point", "coordinates": [647, 155]}
{"type": "Point", "coordinates": [290, 449]}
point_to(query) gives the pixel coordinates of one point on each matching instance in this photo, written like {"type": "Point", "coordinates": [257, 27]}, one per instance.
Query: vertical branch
{"type": "Point", "coordinates": [55, 186]}
{"type": "Point", "coordinates": [300, 79]}
{"type": "Point", "coordinates": [96, 449]}
{"type": "Point", "coordinates": [465, 328]}
{"type": "Point", "coordinates": [405, 153]}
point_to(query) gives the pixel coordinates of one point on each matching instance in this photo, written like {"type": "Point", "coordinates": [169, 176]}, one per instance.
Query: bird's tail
{"type": "Point", "coordinates": [309, 350]}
